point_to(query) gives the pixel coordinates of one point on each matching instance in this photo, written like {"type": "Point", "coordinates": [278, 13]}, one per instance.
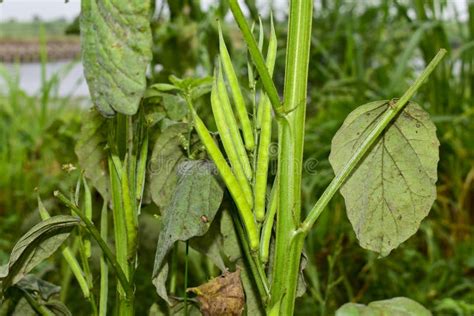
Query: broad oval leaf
{"type": "Point", "coordinates": [116, 49]}
{"type": "Point", "coordinates": [40, 242]}
{"type": "Point", "coordinates": [393, 187]}
{"type": "Point", "coordinates": [166, 156]}
{"type": "Point", "coordinates": [195, 202]}
{"type": "Point", "coordinates": [398, 306]}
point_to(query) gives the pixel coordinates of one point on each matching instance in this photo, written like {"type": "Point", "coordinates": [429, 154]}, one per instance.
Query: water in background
{"type": "Point", "coordinates": [70, 74]}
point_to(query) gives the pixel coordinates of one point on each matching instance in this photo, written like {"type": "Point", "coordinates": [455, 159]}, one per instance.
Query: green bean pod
{"type": "Point", "coordinates": [88, 213]}
{"type": "Point", "coordinates": [229, 179]}
{"type": "Point", "coordinates": [232, 124]}
{"type": "Point", "coordinates": [131, 220]}
{"type": "Point", "coordinates": [270, 63]}
{"type": "Point", "coordinates": [141, 170]}
{"type": "Point", "coordinates": [228, 132]}
{"type": "Point", "coordinates": [268, 224]}
{"type": "Point", "coordinates": [263, 157]}
{"type": "Point", "coordinates": [236, 94]}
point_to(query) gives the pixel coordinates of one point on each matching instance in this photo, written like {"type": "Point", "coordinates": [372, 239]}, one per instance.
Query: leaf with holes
{"type": "Point", "coordinates": [393, 187]}
{"type": "Point", "coordinates": [116, 50]}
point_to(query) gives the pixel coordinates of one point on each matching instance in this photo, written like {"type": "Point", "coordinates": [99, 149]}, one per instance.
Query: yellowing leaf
{"type": "Point", "coordinates": [393, 187]}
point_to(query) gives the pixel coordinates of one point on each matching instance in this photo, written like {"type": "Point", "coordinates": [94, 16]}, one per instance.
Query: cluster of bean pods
{"type": "Point", "coordinates": [246, 143]}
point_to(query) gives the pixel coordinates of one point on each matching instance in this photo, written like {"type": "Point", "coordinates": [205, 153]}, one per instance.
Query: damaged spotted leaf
{"type": "Point", "coordinates": [116, 50]}
{"type": "Point", "coordinates": [393, 187]}
{"type": "Point", "coordinates": [195, 202]}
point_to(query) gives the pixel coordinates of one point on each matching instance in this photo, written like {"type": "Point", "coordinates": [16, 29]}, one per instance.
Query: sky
{"type": "Point", "coordinates": [25, 10]}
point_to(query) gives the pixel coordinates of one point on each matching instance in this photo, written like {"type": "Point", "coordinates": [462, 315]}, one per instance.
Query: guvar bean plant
{"type": "Point", "coordinates": [149, 144]}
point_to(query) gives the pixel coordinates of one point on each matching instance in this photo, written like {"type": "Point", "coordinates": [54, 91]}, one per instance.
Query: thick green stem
{"type": "Point", "coordinates": [391, 113]}
{"type": "Point", "coordinates": [291, 134]}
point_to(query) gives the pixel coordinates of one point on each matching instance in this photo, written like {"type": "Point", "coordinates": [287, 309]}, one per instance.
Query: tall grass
{"type": "Point", "coordinates": [37, 135]}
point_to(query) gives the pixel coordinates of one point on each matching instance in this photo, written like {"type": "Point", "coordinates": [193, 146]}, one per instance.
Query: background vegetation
{"type": "Point", "coordinates": [361, 51]}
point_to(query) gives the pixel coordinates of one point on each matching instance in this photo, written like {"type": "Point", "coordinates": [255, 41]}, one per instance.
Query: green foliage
{"type": "Point", "coordinates": [165, 160]}
{"type": "Point", "coordinates": [398, 306]}
{"type": "Point", "coordinates": [360, 51]}
{"type": "Point", "coordinates": [40, 242]}
{"type": "Point", "coordinates": [393, 188]}
{"type": "Point", "coordinates": [90, 150]}
{"type": "Point", "coordinates": [116, 46]}
{"type": "Point", "coordinates": [195, 201]}
{"type": "Point", "coordinates": [33, 296]}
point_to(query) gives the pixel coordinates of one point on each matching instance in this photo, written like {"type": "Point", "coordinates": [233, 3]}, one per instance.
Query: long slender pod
{"type": "Point", "coordinates": [263, 158]}
{"type": "Point", "coordinates": [120, 230]}
{"type": "Point", "coordinates": [227, 128]}
{"type": "Point", "coordinates": [131, 221]}
{"type": "Point", "coordinates": [268, 223]}
{"type": "Point", "coordinates": [232, 124]}
{"type": "Point", "coordinates": [236, 94]}
{"type": "Point", "coordinates": [88, 213]}
{"type": "Point", "coordinates": [104, 268]}
{"type": "Point", "coordinates": [229, 179]}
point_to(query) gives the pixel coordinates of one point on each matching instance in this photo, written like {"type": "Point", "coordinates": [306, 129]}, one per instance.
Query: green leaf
{"type": "Point", "coordinates": [210, 244]}
{"type": "Point", "coordinates": [393, 188]}
{"type": "Point", "coordinates": [175, 106]}
{"type": "Point", "coordinates": [33, 284]}
{"type": "Point", "coordinates": [166, 156]}
{"type": "Point", "coordinates": [90, 151]}
{"type": "Point", "coordinates": [195, 202]}
{"type": "Point", "coordinates": [230, 240]}
{"type": "Point", "coordinates": [398, 306]}
{"type": "Point", "coordinates": [116, 50]}
{"type": "Point", "coordinates": [34, 296]}
{"type": "Point", "coordinates": [40, 242]}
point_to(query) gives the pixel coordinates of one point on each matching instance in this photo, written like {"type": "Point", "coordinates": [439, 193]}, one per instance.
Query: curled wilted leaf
{"type": "Point", "coordinates": [393, 187]}
{"type": "Point", "coordinates": [221, 296]}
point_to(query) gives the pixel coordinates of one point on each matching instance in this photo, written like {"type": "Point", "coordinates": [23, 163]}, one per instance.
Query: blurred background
{"type": "Point", "coordinates": [361, 51]}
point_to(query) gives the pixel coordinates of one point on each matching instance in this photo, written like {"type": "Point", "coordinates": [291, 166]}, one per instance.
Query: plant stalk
{"type": "Point", "coordinates": [291, 133]}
